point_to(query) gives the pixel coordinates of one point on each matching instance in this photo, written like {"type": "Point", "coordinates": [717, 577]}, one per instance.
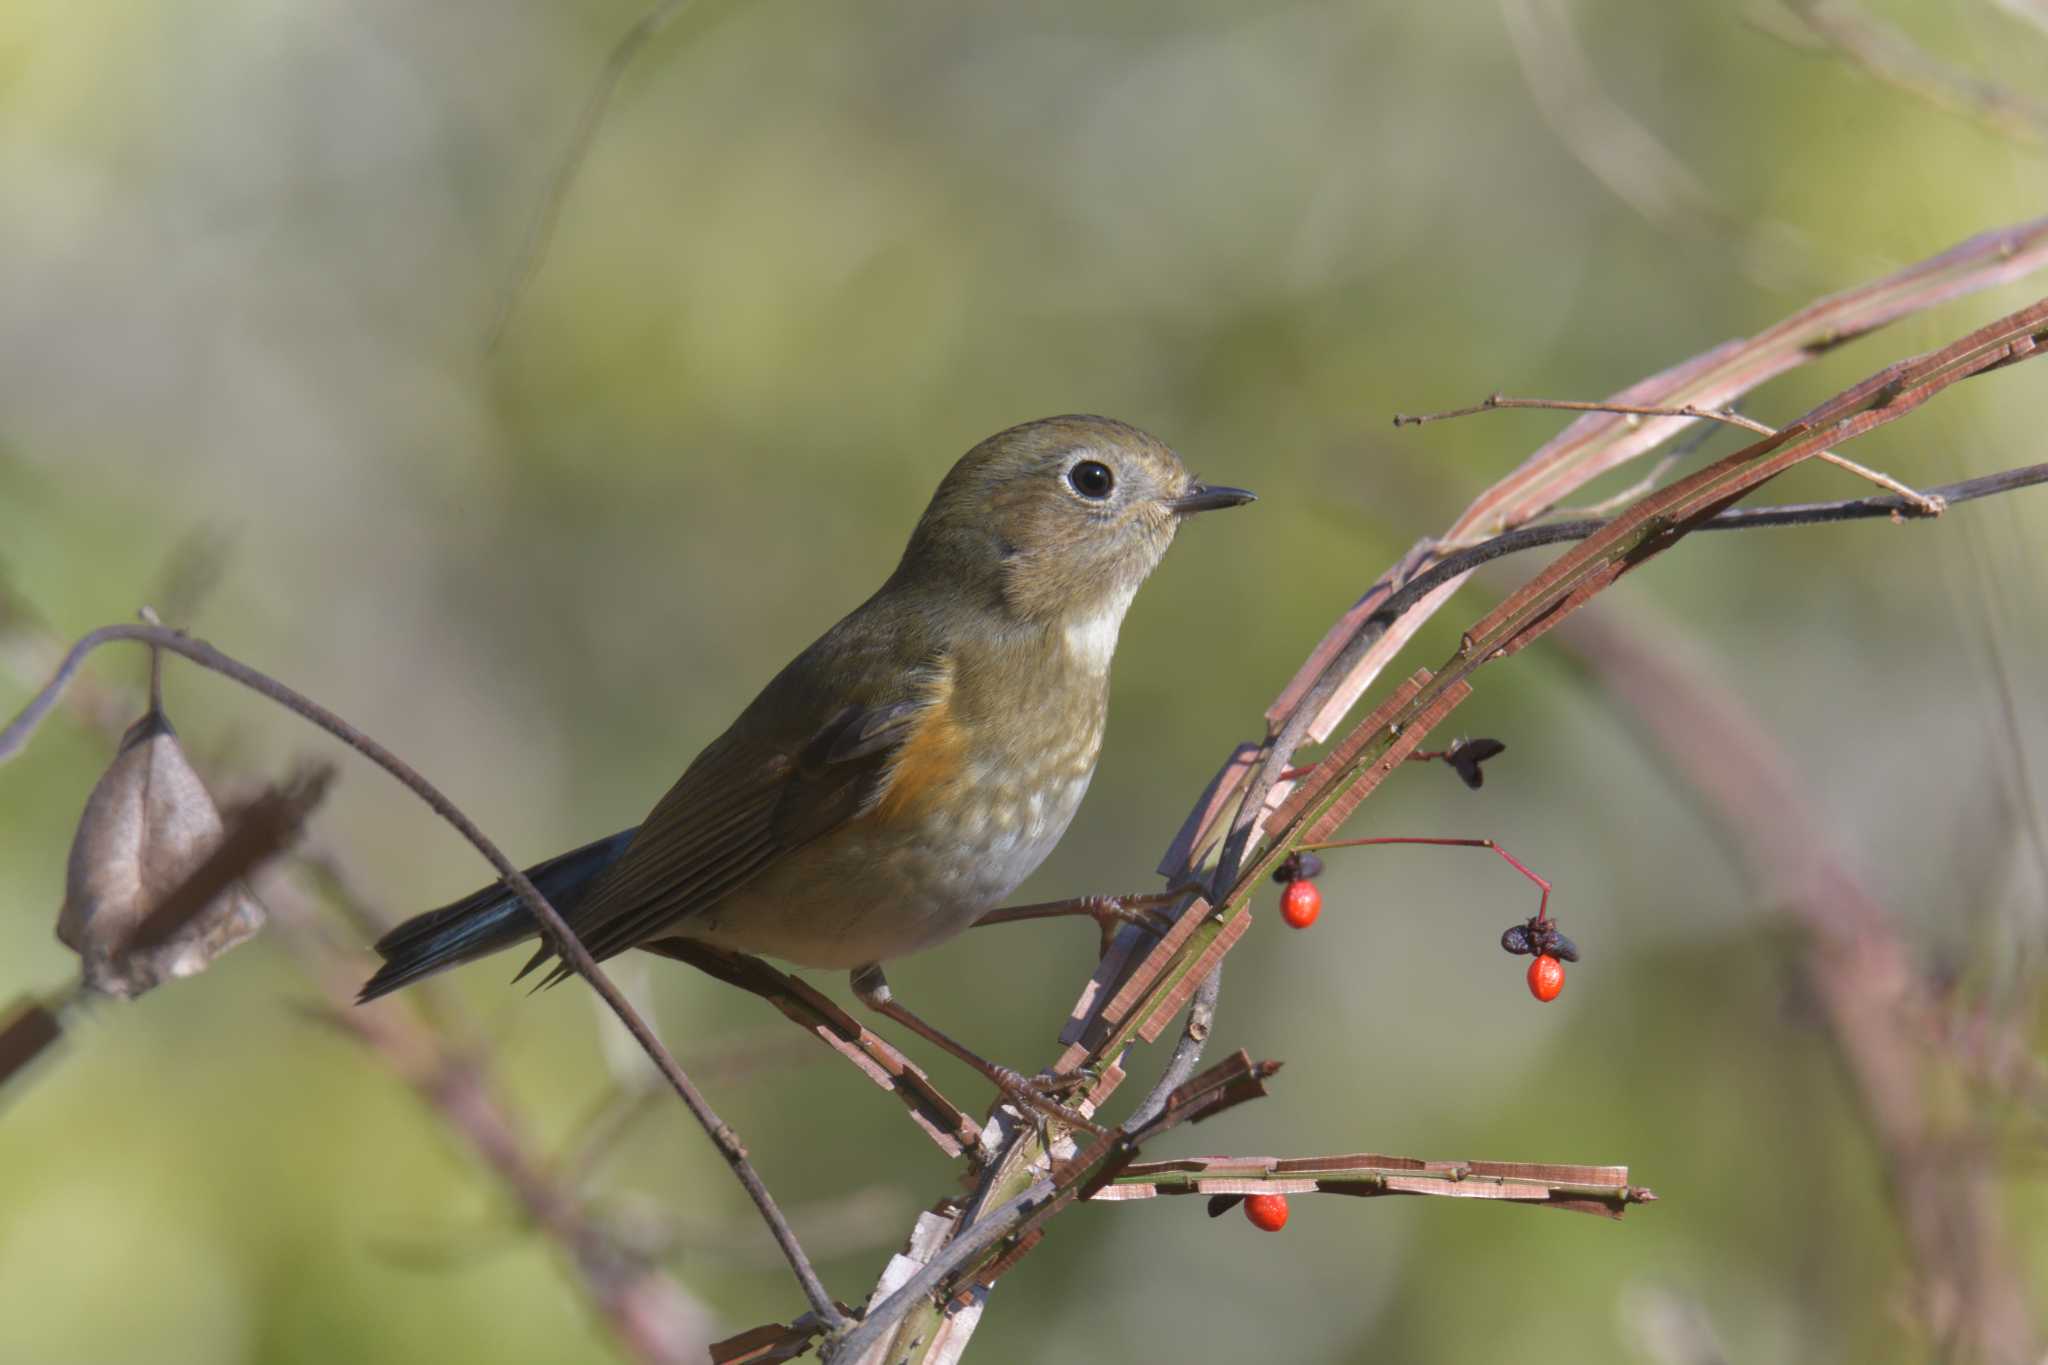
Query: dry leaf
{"type": "Point", "coordinates": [148, 826]}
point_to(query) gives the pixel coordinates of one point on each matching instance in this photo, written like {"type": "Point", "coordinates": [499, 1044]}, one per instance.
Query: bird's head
{"type": "Point", "coordinates": [1061, 518]}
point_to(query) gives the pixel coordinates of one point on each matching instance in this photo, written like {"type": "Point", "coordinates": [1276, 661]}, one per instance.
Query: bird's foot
{"type": "Point", "coordinates": [1113, 912]}
{"type": "Point", "coordinates": [1039, 1096]}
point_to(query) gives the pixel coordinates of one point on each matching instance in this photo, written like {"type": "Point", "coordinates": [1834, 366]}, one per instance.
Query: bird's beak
{"type": "Point", "coordinates": [1208, 497]}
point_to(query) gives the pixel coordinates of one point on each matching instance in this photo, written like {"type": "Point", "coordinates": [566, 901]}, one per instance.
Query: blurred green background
{"type": "Point", "coordinates": [249, 254]}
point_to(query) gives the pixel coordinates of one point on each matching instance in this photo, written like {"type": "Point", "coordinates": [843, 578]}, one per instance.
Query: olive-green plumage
{"type": "Point", "coordinates": [904, 773]}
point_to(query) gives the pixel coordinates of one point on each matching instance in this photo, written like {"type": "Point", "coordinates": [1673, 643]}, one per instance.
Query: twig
{"type": "Point", "coordinates": [1495, 402]}
{"type": "Point", "coordinates": [651, 1315]}
{"type": "Point", "coordinates": [1230, 1083]}
{"type": "Point", "coordinates": [1599, 442]}
{"type": "Point", "coordinates": [1579, 1189]}
{"type": "Point", "coordinates": [1418, 590]}
{"type": "Point", "coordinates": [949, 1128]}
{"type": "Point", "coordinates": [1187, 1053]}
{"type": "Point", "coordinates": [563, 937]}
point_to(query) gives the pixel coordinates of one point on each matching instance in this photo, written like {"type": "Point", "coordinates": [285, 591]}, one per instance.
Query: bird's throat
{"type": "Point", "coordinates": [1090, 640]}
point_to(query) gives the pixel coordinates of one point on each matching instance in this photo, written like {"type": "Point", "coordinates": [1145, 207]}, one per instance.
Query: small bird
{"type": "Point", "coordinates": [907, 771]}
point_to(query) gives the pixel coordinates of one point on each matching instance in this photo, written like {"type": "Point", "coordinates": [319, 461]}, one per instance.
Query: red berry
{"type": "Point", "coordinates": [1546, 978]}
{"type": "Point", "coordinates": [1300, 903]}
{"type": "Point", "coordinates": [1268, 1212]}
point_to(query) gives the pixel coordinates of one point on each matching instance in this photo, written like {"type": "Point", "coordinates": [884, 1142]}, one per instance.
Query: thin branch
{"type": "Point", "coordinates": [1359, 644]}
{"type": "Point", "coordinates": [653, 1317]}
{"type": "Point", "coordinates": [1579, 1189]}
{"type": "Point", "coordinates": [1368, 632]}
{"type": "Point", "coordinates": [562, 936]}
{"type": "Point", "coordinates": [1616, 546]}
{"type": "Point", "coordinates": [949, 1128]}
{"type": "Point", "coordinates": [1187, 1053]}
{"type": "Point", "coordinates": [1599, 442]}
{"type": "Point", "coordinates": [1499, 401]}
{"type": "Point", "coordinates": [1229, 1083]}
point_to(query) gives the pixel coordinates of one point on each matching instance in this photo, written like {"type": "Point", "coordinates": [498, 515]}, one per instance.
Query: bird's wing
{"type": "Point", "coordinates": [774, 782]}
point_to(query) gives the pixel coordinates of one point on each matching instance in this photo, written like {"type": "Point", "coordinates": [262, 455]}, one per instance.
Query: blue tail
{"type": "Point", "coordinates": [489, 919]}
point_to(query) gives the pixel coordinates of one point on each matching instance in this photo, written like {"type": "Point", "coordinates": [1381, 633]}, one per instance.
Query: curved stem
{"type": "Point", "coordinates": [1542, 905]}
{"type": "Point", "coordinates": [566, 943]}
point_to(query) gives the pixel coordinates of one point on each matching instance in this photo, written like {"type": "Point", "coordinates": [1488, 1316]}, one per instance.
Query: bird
{"type": "Point", "coordinates": [907, 771]}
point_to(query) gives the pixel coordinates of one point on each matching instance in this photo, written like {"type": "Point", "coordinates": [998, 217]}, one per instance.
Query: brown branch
{"type": "Point", "coordinates": [1039, 1198]}
{"type": "Point", "coordinates": [1229, 1083]}
{"type": "Point", "coordinates": [563, 938]}
{"type": "Point", "coordinates": [1599, 442]}
{"type": "Point", "coordinates": [1877, 1006]}
{"type": "Point", "coordinates": [1500, 401]}
{"type": "Point", "coordinates": [949, 1128]}
{"type": "Point", "coordinates": [1579, 1189]}
{"type": "Point", "coordinates": [651, 1315]}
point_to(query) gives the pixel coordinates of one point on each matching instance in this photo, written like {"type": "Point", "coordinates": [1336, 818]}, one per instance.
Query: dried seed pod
{"type": "Point", "coordinates": [147, 827]}
{"type": "Point", "coordinates": [1515, 939]}
{"type": "Point", "coordinates": [1467, 755]}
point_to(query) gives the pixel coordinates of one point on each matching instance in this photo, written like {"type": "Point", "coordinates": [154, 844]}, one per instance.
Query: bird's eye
{"type": "Point", "coordinates": [1091, 479]}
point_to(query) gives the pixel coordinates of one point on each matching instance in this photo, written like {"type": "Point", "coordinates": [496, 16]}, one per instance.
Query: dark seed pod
{"type": "Point", "coordinates": [1515, 939]}
{"type": "Point", "coordinates": [1467, 757]}
{"type": "Point", "coordinates": [1220, 1204]}
{"type": "Point", "coordinates": [1562, 947]}
{"type": "Point", "coordinates": [1298, 867]}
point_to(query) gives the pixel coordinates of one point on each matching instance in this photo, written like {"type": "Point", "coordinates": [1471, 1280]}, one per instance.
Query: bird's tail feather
{"type": "Point", "coordinates": [488, 919]}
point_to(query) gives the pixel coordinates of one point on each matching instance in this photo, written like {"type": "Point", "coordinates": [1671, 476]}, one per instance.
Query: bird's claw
{"type": "Point", "coordinates": [1039, 1096]}
{"type": "Point", "coordinates": [1111, 913]}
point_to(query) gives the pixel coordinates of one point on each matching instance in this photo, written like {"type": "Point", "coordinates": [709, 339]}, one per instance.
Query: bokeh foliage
{"type": "Point", "coordinates": [249, 255]}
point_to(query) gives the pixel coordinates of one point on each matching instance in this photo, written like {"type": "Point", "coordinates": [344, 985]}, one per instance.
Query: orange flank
{"type": "Point", "coordinates": [930, 760]}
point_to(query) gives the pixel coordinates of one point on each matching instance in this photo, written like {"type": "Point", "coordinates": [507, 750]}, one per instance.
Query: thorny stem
{"type": "Point", "coordinates": [564, 938]}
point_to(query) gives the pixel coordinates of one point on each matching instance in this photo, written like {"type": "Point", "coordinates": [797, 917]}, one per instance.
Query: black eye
{"type": "Point", "coordinates": [1091, 479]}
